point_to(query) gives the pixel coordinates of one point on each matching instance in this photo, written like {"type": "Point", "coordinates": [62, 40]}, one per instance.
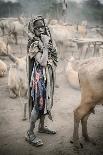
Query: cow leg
{"type": "Point", "coordinates": [15, 34]}
{"type": "Point", "coordinates": [94, 49]}
{"type": "Point", "coordinates": [25, 109]}
{"type": "Point", "coordinates": [88, 48]}
{"type": "Point", "coordinates": [60, 49]}
{"type": "Point", "coordinates": [16, 39]}
{"type": "Point", "coordinates": [12, 94]}
{"type": "Point", "coordinates": [79, 114]}
{"type": "Point", "coordinates": [75, 134]}
{"type": "Point", "coordinates": [80, 49]}
{"type": "Point", "coordinates": [84, 128]}
{"type": "Point", "coordinates": [3, 32]}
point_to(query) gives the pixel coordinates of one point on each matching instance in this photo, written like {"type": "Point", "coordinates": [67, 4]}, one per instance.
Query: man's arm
{"type": "Point", "coordinates": [43, 58]}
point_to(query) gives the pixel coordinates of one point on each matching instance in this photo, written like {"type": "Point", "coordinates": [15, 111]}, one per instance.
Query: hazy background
{"type": "Point", "coordinates": [77, 10]}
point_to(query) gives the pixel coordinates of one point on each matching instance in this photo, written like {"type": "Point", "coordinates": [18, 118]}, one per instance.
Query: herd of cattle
{"type": "Point", "coordinates": [84, 74]}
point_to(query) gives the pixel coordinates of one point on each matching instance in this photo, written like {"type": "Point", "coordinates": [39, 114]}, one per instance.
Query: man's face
{"type": "Point", "coordinates": [39, 28]}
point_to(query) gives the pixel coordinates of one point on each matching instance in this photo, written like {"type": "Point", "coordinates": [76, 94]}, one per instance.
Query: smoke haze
{"type": "Point", "coordinates": [77, 10]}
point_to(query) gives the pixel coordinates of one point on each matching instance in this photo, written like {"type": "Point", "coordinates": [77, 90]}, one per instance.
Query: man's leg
{"type": "Point", "coordinates": [42, 128]}
{"type": "Point", "coordinates": [31, 137]}
{"type": "Point", "coordinates": [41, 123]}
{"type": "Point", "coordinates": [34, 117]}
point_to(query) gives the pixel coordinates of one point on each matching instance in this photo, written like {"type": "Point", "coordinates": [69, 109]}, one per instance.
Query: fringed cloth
{"type": "Point", "coordinates": [42, 88]}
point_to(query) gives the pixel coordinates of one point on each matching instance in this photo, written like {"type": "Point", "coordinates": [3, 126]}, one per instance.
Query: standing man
{"type": "Point", "coordinates": [42, 60]}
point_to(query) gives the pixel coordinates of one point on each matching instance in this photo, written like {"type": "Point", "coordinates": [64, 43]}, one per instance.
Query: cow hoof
{"type": "Point", "coordinates": [24, 119]}
{"type": "Point", "coordinates": [71, 140]}
{"type": "Point", "coordinates": [13, 96]}
{"type": "Point", "coordinates": [77, 145]}
{"type": "Point", "coordinates": [90, 140]}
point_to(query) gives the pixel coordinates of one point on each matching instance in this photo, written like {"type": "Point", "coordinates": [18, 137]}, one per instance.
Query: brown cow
{"type": "Point", "coordinates": [91, 83]}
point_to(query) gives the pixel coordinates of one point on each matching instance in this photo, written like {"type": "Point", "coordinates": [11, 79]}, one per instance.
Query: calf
{"type": "Point", "coordinates": [17, 78]}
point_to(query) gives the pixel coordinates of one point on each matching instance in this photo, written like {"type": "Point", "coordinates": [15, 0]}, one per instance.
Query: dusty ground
{"type": "Point", "coordinates": [13, 129]}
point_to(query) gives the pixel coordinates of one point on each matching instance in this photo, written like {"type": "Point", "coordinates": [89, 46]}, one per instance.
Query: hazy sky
{"type": "Point", "coordinates": [10, 0]}
{"type": "Point", "coordinates": [57, 0]}
{"type": "Point", "coordinates": [83, 0]}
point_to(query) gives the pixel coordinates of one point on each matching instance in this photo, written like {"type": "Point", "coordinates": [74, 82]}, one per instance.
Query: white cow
{"type": "Point", "coordinates": [62, 35]}
{"type": "Point", "coordinates": [14, 29]}
{"type": "Point", "coordinates": [4, 48]}
{"type": "Point", "coordinates": [82, 29]}
{"type": "Point", "coordinates": [4, 22]}
{"type": "Point", "coordinates": [17, 79]}
{"type": "Point", "coordinates": [3, 68]}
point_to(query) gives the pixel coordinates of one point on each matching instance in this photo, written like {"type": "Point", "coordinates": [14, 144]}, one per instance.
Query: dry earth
{"type": "Point", "coordinates": [13, 129]}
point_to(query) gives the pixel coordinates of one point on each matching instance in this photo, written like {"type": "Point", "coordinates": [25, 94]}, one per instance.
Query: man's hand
{"type": "Point", "coordinates": [45, 39]}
